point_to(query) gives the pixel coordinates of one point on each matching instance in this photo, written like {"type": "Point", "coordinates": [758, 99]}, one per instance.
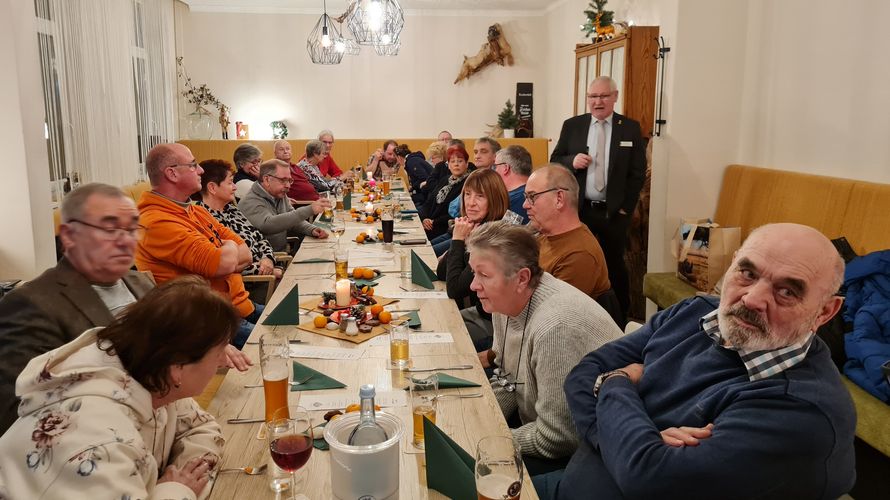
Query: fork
{"type": "Point", "coordinates": [293, 384]}
{"type": "Point", "coordinates": [455, 367]}
{"type": "Point", "coordinates": [250, 471]}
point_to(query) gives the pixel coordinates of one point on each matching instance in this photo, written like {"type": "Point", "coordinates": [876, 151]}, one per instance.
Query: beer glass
{"type": "Point", "coordinates": [387, 181]}
{"type": "Point", "coordinates": [424, 393]}
{"type": "Point", "coordinates": [498, 468]}
{"type": "Point", "coordinates": [274, 361]}
{"type": "Point", "coordinates": [341, 262]}
{"type": "Point", "coordinates": [329, 209]}
{"type": "Point", "coordinates": [399, 354]}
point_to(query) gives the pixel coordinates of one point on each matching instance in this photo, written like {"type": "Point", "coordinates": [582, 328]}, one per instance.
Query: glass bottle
{"type": "Point", "coordinates": [368, 431]}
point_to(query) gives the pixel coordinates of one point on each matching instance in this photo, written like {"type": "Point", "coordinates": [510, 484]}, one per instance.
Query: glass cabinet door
{"type": "Point", "coordinates": [581, 92]}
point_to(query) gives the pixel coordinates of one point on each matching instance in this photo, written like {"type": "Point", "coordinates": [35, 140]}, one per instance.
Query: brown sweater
{"type": "Point", "coordinates": [576, 258]}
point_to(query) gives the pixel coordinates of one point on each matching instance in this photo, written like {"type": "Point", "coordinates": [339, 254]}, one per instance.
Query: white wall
{"type": "Point", "coordinates": [267, 75]}
{"type": "Point", "coordinates": [26, 247]}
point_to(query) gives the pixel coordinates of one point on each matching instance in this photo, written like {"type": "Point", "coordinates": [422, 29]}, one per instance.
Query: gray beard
{"type": "Point", "coordinates": [761, 338]}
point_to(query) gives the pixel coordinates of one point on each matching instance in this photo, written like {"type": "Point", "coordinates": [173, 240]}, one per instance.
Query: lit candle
{"type": "Point", "coordinates": [369, 208]}
{"type": "Point", "coordinates": [370, 233]}
{"type": "Point", "coordinates": [370, 175]}
{"type": "Point", "coordinates": [343, 295]}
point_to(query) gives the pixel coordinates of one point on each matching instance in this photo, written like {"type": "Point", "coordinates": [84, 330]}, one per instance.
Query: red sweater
{"type": "Point", "coordinates": [301, 189]}
{"type": "Point", "coordinates": [186, 240]}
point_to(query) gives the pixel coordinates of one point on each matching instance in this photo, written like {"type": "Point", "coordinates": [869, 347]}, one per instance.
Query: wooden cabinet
{"type": "Point", "coordinates": [630, 60]}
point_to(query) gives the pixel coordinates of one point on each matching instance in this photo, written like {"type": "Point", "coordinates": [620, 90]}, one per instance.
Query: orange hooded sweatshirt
{"type": "Point", "coordinates": [186, 240]}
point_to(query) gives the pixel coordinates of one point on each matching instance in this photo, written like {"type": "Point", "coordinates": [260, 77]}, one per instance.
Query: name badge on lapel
{"type": "Point", "coordinates": [626, 144]}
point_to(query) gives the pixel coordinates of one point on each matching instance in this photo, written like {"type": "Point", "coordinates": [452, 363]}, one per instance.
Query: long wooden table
{"type": "Point", "coordinates": [464, 420]}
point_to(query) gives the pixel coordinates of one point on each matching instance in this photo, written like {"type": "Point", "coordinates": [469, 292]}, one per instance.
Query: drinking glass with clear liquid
{"type": "Point", "coordinates": [424, 393]}
{"type": "Point", "coordinates": [341, 262]}
{"type": "Point", "coordinates": [498, 468]}
{"type": "Point", "coordinates": [290, 441]}
{"type": "Point", "coordinates": [399, 346]}
{"type": "Point", "coordinates": [274, 360]}
{"type": "Point", "coordinates": [338, 227]}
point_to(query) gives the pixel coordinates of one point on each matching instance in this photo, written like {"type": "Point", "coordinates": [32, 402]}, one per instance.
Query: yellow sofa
{"type": "Point", "coordinates": [349, 152]}
{"type": "Point", "coordinates": [856, 210]}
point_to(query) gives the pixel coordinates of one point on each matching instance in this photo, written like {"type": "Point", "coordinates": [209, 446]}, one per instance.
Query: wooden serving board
{"type": "Point", "coordinates": [312, 304]}
{"type": "Point", "coordinates": [309, 326]}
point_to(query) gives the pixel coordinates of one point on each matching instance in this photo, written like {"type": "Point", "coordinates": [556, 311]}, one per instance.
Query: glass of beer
{"type": "Point", "coordinates": [341, 262]}
{"type": "Point", "coordinates": [329, 208]}
{"type": "Point", "coordinates": [387, 181]}
{"type": "Point", "coordinates": [274, 361]}
{"type": "Point", "coordinates": [498, 468]}
{"type": "Point", "coordinates": [423, 393]}
{"type": "Point", "coordinates": [399, 355]}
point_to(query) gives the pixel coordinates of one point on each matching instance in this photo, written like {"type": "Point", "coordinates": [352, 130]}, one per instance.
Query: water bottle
{"type": "Point", "coordinates": [368, 431]}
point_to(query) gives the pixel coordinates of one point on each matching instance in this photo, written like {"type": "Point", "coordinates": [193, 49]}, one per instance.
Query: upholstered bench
{"type": "Point", "coordinates": [856, 210]}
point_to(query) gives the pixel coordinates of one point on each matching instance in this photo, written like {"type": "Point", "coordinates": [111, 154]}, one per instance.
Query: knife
{"type": "Point", "coordinates": [245, 420]}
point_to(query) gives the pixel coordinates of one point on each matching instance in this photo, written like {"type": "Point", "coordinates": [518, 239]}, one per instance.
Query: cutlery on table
{"type": "Point", "coordinates": [250, 471]}
{"type": "Point", "coordinates": [455, 367]}
{"type": "Point", "coordinates": [475, 395]}
{"type": "Point", "coordinates": [292, 341]}
{"type": "Point", "coordinates": [245, 420]}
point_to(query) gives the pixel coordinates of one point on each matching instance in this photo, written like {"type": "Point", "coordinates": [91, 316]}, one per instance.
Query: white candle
{"type": "Point", "coordinates": [343, 295]}
{"type": "Point", "coordinates": [369, 207]}
{"type": "Point", "coordinates": [370, 175]}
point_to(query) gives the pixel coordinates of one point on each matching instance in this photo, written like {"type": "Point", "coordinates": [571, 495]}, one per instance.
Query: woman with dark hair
{"type": "Point", "coordinates": [217, 195]}
{"type": "Point", "coordinates": [484, 199]}
{"type": "Point", "coordinates": [111, 414]}
{"type": "Point", "coordinates": [415, 166]}
{"type": "Point", "coordinates": [434, 213]}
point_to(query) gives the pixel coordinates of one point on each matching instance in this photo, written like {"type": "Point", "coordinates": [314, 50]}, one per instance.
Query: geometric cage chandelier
{"type": "Point", "coordinates": [377, 23]}
{"type": "Point", "coordinates": [321, 42]}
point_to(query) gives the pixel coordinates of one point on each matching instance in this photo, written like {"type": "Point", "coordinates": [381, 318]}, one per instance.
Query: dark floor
{"type": "Point", "coordinates": [872, 473]}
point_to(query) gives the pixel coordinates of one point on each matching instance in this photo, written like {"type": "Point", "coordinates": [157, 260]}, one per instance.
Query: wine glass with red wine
{"type": "Point", "coordinates": [290, 442]}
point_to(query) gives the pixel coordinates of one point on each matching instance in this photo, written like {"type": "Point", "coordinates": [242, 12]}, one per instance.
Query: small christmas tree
{"type": "Point", "coordinates": [597, 16]}
{"type": "Point", "coordinates": [507, 118]}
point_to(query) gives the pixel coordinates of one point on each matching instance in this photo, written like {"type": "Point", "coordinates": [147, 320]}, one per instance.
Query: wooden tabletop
{"type": "Point", "coordinates": [466, 421]}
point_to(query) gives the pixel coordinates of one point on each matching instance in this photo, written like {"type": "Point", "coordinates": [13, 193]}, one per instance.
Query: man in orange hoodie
{"type": "Point", "coordinates": [181, 238]}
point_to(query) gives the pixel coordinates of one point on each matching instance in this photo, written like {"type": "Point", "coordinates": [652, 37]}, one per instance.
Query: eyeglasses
{"type": "Point", "coordinates": [114, 233]}
{"type": "Point", "coordinates": [503, 379]}
{"type": "Point", "coordinates": [593, 97]}
{"type": "Point", "coordinates": [531, 197]}
{"type": "Point", "coordinates": [496, 165]}
{"type": "Point", "coordinates": [255, 161]}
{"type": "Point", "coordinates": [329, 143]}
{"type": "Point", "coordinates": [284, 180]}
{"type": "Point", "coordinates": [192, 166]}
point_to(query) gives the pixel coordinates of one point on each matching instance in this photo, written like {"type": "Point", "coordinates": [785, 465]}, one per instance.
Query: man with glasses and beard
{"type": "Point", "coordinates": [729, 399]}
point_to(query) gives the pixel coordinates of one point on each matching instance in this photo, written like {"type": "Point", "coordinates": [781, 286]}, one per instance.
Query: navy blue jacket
{"type": "Point", "coordinates": [867, 279]}
{"type": "Point", "coordinates": [786, 436]}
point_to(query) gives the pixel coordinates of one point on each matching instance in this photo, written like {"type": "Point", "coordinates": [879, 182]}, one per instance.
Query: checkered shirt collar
{"type": "Point", "coordinates": [759, 364]}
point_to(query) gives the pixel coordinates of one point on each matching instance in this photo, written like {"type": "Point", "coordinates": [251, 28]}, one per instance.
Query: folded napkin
{"type": "Point", "coordinates": [421, 274]}
{"type": "Point", "coordinates": [407, 217]}
{"type": "Point", "coordinates": [318, 441]}
{"type": "Point", "coordinates": [323, 223]}
{"type": "Point", "coordinates": [447, 381]}
{"type": "Point", "coordinates": [360, 282]}
{"type": "Point", "coordinates": [314, 260]}
{"type": "Point", "coordinates": [347, 202]}
{"type": "Point", "coordinates": [287, 312]}
{"type": "Point", "coordinates": [317, 382]}
{"type": "Point", "coordinates": [397, 189]}
{"type": "Point", "coordinates": [412, 318]}
{"type": "Point", "coordinates": [449, 469]}
{"type": "Point", "coordinates": [408, 211]}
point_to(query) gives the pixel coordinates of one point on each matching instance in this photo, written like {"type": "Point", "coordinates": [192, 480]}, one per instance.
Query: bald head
{"type": "Point", "coordinates": [162, 156]}
{"type": "Point", "coordinates": [780, 287]}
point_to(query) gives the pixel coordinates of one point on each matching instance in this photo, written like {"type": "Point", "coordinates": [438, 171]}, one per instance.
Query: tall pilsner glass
{"type": "Point", "coordinates": [274, 360]}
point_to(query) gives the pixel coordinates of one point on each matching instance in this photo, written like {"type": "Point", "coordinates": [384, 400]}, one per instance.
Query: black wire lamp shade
{"type": "Point", "coordinates": [376, 22]}
{"type": "Point", "coordinates": [321, 44]}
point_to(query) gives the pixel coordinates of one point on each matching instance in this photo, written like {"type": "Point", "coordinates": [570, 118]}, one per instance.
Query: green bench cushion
{"type": "Point", "coordinates": [872, 418]}
{"type": "Point", "coordinates": [666, 289]}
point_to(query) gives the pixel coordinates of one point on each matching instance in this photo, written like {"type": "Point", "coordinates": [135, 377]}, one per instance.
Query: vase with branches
{"type": "Point", "coordinates": [200, 121]}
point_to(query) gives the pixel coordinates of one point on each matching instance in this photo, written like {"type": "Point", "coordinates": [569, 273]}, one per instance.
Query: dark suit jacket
{"type": "Point", "coordinates": [43, 314]}
{"type": "Point", "coordinates": [627, 164]}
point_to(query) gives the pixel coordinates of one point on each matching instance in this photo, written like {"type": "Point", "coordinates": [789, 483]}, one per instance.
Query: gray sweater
{"type": "Point", "coordinates": [275, 217]}
{"type": "Point", "coordinates": [563, 325]}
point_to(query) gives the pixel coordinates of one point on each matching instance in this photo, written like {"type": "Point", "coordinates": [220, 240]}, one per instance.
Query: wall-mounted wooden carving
{"type": "Point", "coordinates": [495, 50]}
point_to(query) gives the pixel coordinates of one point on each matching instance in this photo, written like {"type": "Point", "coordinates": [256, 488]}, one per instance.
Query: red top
{"type": "Point", "coordinates": [301, 189]}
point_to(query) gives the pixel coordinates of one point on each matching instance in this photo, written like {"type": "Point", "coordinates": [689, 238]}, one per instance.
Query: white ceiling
{"type": "Point", "coordinates": [334, 7]}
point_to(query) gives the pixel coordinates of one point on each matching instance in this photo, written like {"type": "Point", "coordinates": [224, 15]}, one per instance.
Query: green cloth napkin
{"type": "Point", "coordinates": [397, 189]}
{"type": "Point", "coordinates": [408, 211]}
{"type": "Point", "coordinates": [421, 274]}
{"type": "Point", "coordinates": [394, 231]}
{"type": "Point", "coordinates": [407, 217]}
{"type": "Point", "coordinates": [287, 312]}
{"type": "Point", "coordinates": [360, 282]}
{"type": "Point", "coordinates": [413, 319]}
{"type": "Point", "coordinates": [449, 469]}
{"type": "Point", "coordinates": [347, 202]}
{"type": "Point", "coordinates": [317, 382]}
{"type": "Point", "coordinates": [447, 381]}
{"type": "Point", "coordinates": [324, 224]}
{"type": "Point", "coordinates": [320, 442]}
{"type": "Point", "coordinates": [314, 260]}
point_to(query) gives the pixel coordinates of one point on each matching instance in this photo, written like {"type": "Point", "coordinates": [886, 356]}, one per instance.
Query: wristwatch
{"type": "Point", "coordinates": [598, 384]}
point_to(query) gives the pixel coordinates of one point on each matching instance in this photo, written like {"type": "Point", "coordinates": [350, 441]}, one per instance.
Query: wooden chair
{"type": "Point", "coordinates": [269, 279]}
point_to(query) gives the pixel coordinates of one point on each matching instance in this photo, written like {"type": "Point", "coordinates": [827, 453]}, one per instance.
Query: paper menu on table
{"type": "Point", "coordinates": [319, 352]}
{"type": "Point", "coordinates": [436, 294]}
{"type": "Point", "coordinates": [384, 399]}
{"type": "Point", "coordinates": [416, 338]}
{"type": "Point", "coordinates": [360, 257]}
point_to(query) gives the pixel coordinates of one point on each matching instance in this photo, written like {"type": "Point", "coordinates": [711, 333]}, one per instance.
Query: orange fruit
{"type": "Point", "coordinates": [379, 211]}
{"type": "Point", "coordinates": [320, 321]}
{"type": "Point", "coordinates": [376, 309]}
{"type": "Point", "coordinates": [353, 210]}
{"type": "Point", "coordinates": [370, 291]}
{"type": "Point", "coordinates": [360, 238]}
{"type": "Point", "coordinates": [358, 272]}
{"type": "Point", "coordinates": [385, 317]}
{"type": "Point", "coordinates": [353, 407]}
{"type": "Point", "coordinates": [379, 235]}
{"type": "Point", "coordinates": [368, 273]}
{"type": "Point", "coordinates": [365, 199]}
{"type": "Point", "coordinates": [369, 219]}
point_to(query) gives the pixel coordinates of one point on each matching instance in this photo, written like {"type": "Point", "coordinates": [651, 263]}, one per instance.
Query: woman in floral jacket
{"type": "Point", "coordinates": [111, 414]}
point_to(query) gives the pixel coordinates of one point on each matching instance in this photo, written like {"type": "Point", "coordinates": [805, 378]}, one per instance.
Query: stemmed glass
{"type": "Point", "coordinates": [338, 227]}
{"type": "Point", "coordinates": [290, 442]}
{"type": "Point", "coordinates": [498, 468]}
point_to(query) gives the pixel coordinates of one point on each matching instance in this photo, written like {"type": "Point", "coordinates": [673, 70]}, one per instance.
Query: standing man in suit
{"type": "Point", "coordinates": [606, 152]}
{"type": "Point", "coordinates": [91, 285]}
